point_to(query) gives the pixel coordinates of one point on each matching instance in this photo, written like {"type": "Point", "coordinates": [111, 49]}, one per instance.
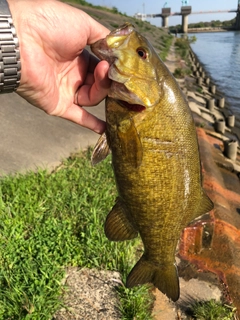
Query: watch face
{"type": "Point", "coordinates": [4, 8]}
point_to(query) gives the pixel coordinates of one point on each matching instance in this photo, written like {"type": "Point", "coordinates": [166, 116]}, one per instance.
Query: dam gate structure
{"type": "Point", "coordinates": [186, 10]}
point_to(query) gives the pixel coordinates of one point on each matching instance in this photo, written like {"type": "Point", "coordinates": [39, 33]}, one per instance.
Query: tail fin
{"type": "Point", "coordinates": [165, 278]}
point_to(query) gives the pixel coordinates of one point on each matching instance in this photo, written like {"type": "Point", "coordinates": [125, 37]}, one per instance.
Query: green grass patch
{"type": "Point", "coordinates": [114, 25]}
{"type": "Point", "coordinates": [212, 310]}
{"type": "Point", "coordinates": [182, 47]}
{"type": "Point", "coordinates": [49, 221]}
{"type": "Point", "coordinates": [135, 299]}
{"type": "Point", "coordinates": [166, 41]}
{"type": "Point", "coordinates": [88, 4]}
{"type": "Point", "coordinates": [181, 72]}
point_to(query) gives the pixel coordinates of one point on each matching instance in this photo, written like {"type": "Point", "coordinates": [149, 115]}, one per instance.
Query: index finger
{"type": "Point", "coordinates": [96, 31]}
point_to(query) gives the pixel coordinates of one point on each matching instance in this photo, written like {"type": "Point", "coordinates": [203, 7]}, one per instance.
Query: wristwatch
{"type": "Point", "coordinates": [10, 66]}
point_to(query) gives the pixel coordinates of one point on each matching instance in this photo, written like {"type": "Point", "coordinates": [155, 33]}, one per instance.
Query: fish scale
{"type": "Point", "coordinates": [152, 138]}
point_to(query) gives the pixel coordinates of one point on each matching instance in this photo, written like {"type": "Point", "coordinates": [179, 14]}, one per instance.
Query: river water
{"type": "Point", "coordinates": [219, 53]}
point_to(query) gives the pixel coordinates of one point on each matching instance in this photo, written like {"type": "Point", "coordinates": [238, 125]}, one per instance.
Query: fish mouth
{"type": "Point", "coordinates": [104, 48]}
{"type": "Point", "coordinates": [132, 107]}
{"type": "Point", "coordinates": [124, 30]}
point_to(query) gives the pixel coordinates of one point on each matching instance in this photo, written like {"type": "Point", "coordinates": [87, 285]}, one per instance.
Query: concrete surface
{"type": "Point", "coordinates": [30, 138]}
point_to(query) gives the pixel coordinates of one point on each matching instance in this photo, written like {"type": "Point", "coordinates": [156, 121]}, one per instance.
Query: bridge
{"type": "Point", "coordinates": [185, 12]}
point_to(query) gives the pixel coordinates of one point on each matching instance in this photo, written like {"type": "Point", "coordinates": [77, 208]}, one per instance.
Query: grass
{"type": "Point", "coordinates": [166, 41]}
{"type": "Point", "coordinates": [88, 4]}
{"type": "Point", "coordinates": [181, 72]}
{"type": "Point", "coordinates": [182, 46]}
{"type": "Point", "coordinates": [212, 310]}
{"type": "Point", "coordinates": [182, 49]}
{"type": "Point", "coordinates": [135, 299]}
{"type": "Point", "coordinates": [51, 221]}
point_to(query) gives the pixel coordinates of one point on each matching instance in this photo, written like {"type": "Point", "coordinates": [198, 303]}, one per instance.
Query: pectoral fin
{"type": "Point", "coordinates": [117, 225]}
{"type": "Point", "coordinates": [101, 150]}
{"type": "Point", "coordinates": [130, 142]}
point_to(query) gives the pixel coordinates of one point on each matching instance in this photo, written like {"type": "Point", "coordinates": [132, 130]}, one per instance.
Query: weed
{"type": "Point", "coordinates": [181, 72]}
{"type": "Point", "coordinates": [165, 41]}
{"type": "Point", "coordinates": [182, 47]}
{"type": "Point", "coordinates": [212, 310]}
{"type": "Point", "coordinates": [192, 39]}
{"type": "Point", "coordinates": [114, 25]}
{"type": "Point", "coordinates": [199, 89]}
{"type": "Point", "coordinates": [147, 28]}
{"type": "Point", "coordinates": [133, 300]}
{"type": "Point", "coordinates": [201, 125]}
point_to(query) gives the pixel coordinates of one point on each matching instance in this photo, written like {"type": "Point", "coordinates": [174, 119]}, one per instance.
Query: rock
{"type": "Point", "coordinates": [163, 307]}
{"type": "Point", "coordinates": [91, 295]}
{"type": "Point", "coordinates": [196, 290]}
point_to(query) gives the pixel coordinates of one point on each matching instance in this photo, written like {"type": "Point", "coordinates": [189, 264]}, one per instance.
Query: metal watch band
{"type": "Point", "coordinates": [10, 65]}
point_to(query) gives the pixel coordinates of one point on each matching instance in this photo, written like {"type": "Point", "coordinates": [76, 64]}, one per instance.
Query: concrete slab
{"type": "Point", "coordinates": [196, 290]}
{"type": "Point", "coordinates": [199, 99]}
{"type": "Point", "coordinates": [194, 107]}
{"type": "Point", "coordinates": [30, 138]}
{"type": "Point", "coordinates": [208, 117]}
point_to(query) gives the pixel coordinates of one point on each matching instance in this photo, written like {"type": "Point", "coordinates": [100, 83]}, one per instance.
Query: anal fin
{"type": "Point", "coordinates": [117, 225]}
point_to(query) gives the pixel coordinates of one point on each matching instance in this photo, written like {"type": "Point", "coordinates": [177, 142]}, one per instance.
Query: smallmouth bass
{"type": "Point", "coordinates": [151, 135]}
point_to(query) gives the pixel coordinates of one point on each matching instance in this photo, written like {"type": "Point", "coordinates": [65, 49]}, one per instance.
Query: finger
{"type": "Point", "coordinates": [101, 76]}
{"type": "Point", "coordinates": [84, 118]}
{"type": "Point", "coordinates": [92, 94]}
{"type": "Point", "coordinates": [99, 73]}
{"type": "Point", "coordinates": [97, 32]}
{"type": "Point", "coordinates": [93, 62]}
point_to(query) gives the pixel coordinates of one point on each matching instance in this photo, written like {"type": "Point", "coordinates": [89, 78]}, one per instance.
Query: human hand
{"type": "Point", "coordinates": [58, 75]}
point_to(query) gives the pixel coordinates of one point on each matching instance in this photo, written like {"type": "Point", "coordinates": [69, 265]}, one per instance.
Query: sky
{"type": "Point", "coordinates": [130, 7]}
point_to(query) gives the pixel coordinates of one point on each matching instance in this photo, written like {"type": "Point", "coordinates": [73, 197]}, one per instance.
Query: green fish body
{"type": "Point", "coordinates": [151, 135]}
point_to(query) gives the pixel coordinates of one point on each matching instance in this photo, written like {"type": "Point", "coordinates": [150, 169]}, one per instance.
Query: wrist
{"type": "Point", "coordinates": [9, 51]}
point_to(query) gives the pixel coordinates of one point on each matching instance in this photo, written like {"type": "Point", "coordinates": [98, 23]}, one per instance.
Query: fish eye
{"type": "Point", "coordinates": [142, 53]}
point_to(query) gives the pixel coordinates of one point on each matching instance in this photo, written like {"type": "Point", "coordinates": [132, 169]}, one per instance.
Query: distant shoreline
{"type": "Point", "coordinates": [210, 29]}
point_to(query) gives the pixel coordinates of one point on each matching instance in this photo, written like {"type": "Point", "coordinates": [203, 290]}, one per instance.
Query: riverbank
{"type": "Point", "coordinates": [223, 69]}
{"type": "Point", "coordinates": [210, 29]}
{"type": "Point", "coordinates": [215, 100]}
{"type": "Point", "coordinates": [211, 244]}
